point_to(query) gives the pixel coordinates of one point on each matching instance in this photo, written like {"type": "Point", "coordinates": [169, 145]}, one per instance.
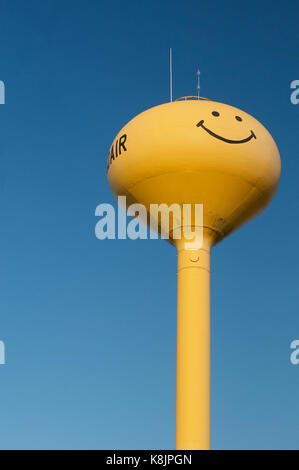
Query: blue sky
{"type": "Point", "coordinates": [90, 326]}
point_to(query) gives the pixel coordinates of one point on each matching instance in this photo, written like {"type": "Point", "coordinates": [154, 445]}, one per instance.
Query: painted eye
{"type": "Point", "coordinates": [215, 113]}
{"type": "Point", "coordinates": [239, 118]}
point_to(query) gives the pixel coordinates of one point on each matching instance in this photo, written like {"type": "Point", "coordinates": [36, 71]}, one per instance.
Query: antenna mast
{"type": "Point", "coordinates": [170, 72]}
{"type": "Point", "coordinates": [198, 86]}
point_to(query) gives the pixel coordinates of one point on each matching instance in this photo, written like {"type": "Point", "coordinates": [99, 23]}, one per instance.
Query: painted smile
{"type": "Point", "coordinates": [229, 141]}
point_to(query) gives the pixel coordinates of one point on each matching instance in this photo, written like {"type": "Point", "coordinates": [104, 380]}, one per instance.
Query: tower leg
{"type": "Point", "coordinates": [193, 350]}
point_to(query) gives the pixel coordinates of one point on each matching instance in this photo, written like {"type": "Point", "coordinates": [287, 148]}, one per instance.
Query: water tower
{"type": "Point", "coordinates": [188, 152]}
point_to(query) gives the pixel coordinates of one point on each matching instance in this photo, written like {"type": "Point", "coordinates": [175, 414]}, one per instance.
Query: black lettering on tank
{"type": "Point", "coordinates": [122, 141]}
{"type": "Point", "coordinates": [112, 153]}
{"type": "Point", "coordinates": [108, 159]}
{"type": "Point", "coordinates": [118, 147]}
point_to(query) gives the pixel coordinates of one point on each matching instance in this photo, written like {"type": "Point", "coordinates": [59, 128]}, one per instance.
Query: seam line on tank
{"type": "Point", "coordinates": [193, 267]}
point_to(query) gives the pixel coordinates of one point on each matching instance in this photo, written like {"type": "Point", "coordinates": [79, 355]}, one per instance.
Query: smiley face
{"type": "Point", "coordinates": [224, 139]}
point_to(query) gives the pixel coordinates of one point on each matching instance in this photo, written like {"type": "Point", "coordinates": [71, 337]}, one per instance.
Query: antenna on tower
{"type": "Point", "coordinates": [170, 72]}
{"type": "Point", "coordinates": [198, 86]}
